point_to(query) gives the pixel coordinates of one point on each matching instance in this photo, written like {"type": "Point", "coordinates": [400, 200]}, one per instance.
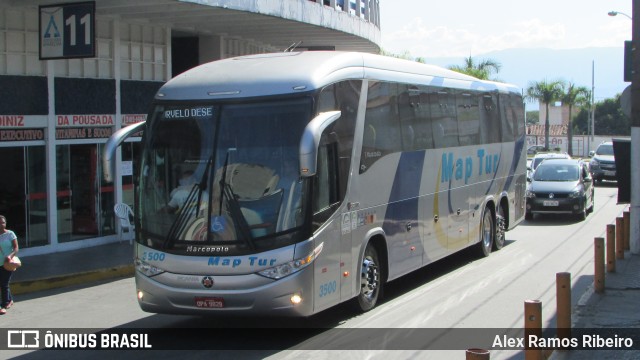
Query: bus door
{"type": "Point", "coordinates": [334, 222]}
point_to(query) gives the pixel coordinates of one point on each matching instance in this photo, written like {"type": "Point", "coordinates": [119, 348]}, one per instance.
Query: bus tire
{"type": "Point", "coordinates": [501, 228]}
{"type": "Point", "coordinates": [370, 280]}
{"type": "Point", "coordinates": [487, 232]}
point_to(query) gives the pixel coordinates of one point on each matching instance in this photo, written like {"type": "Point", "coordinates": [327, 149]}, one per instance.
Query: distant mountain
{"type": "Point", "coordinates": [522, 66]}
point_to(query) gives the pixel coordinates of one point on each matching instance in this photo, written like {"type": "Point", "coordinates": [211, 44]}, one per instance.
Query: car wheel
{"type": "Point", "coordinates": [593, 203]}
{"type": "Point", "coordinates": [370, 281]}
{"type": "Point", "coordinates": [582, 215]}
{"type": "Point", "coordinates": [487, 233]}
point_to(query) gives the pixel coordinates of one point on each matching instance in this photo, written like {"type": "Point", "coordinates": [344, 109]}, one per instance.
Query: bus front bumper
{"type": "Point", "coordinates": [273, 298]}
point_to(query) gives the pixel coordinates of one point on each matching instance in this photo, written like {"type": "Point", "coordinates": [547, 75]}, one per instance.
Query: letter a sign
{"type": "Point", "coordinates": [67, 30]}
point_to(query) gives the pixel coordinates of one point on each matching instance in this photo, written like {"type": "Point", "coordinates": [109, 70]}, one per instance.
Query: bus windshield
{"type": "Point", "coordinates": [223, 175]}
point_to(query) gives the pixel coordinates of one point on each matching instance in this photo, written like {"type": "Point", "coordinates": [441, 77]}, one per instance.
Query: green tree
{"type": "Point", "coordinates": [533, 117]}
{"type": "Point", "coordinates": [609, 119]}
{"type": "Point", "coordinates": [481, 70]}
{"type": "Point", "coordinates": [545, 92]}
{"type": "Point", "coordinates": [573, 96]}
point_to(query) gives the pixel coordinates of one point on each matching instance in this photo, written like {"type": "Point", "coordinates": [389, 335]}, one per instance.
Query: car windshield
{"type": "Point", "coordinates": [605, 149]}
{"type": "Point", "coordinates": [556, 172]}
{"type": "Point", "coordinates": [222, 174]}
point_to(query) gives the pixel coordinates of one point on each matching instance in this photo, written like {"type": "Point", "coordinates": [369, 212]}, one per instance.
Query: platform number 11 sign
{"type": "Point", "coordinates": [67, 30]}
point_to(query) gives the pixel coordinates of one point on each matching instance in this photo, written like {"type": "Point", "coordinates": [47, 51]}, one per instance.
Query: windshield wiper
{"type": "Point", "coordinates": [188, 209]}
{"type": "Point", "coordinates": [239, 222]}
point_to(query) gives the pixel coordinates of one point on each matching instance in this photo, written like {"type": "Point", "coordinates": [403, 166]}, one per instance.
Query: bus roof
{"type": "Point", "coordinates": [291, 72]}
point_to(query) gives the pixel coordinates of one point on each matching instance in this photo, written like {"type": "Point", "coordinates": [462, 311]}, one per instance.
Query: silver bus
{"type": "Point", "coordinates": [288, 183]}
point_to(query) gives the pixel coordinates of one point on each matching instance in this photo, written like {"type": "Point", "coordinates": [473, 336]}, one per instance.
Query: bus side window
{"type": "Point", "coordinates": [507, 113]}
{"type": "Point", "coordinates": [445, 124]}
{"type": "Point", "coordinates": [490, 118]}
{"type": "Point", "coordinates": [422, 122]}
{"type": "Point", "coordinates": [382, 133]}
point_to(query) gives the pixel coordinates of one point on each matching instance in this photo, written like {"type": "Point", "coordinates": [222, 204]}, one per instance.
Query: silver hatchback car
{"type": "Point", "coordinates": [560, 186]}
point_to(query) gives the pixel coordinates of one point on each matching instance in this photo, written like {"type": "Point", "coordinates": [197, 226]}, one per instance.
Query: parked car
{"type": "Point", "coordinates": [560, 186]}
{"type": "Point", "coordinates": [534, 149]}
{"type": "Point", "coordinates": [603, 163]}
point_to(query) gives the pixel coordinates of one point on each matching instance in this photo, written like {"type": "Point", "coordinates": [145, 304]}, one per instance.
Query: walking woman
{"type": "Point", "coordinates": [9, 248]}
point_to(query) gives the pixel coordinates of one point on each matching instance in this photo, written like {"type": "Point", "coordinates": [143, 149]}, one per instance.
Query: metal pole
{"type": "Point", "coordinates": [635, 131]}
{"type": "Point", "coordinates": [563, 304]}
{"type": "Point", "coordinates": [611, 248]}
{"type": "Point", "coordinates": [620, 238]}
{"type": "Point", "coordinates": [532, 326]}
{"type": "Point", "coordinates": [477, 354]}
{"type": "Point", "coordinates": [598, 271]}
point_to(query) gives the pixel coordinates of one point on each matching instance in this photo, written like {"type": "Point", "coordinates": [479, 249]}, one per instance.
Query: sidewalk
{"type": "Point", "coordinates": [618, 307]}
{"type": "Point", "coordinates": [49, 271]}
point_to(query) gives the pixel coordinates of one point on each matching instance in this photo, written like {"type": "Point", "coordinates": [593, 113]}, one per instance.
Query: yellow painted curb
{"type": "Point", "coordinates": [25, 287]}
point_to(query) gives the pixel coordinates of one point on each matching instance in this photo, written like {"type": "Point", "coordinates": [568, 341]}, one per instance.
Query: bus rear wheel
{"type": "Point", "coordinates": [501, 228]}
{"type": "Point", "coordinates": [370, 280]}
{"type": "Point", "coordinates": [487, 232]}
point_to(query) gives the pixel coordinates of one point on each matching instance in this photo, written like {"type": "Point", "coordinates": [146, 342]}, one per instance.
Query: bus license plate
{"type": "Point", "coordinates": [209, 302]}
{"type": "Point", "coordinates": [550, 203]}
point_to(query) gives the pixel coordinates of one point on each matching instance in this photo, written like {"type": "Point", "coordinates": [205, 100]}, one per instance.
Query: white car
{"type": "Point", "coordinates": [603, 163]}
{"type": "Point", "coordinates": [540, 157]}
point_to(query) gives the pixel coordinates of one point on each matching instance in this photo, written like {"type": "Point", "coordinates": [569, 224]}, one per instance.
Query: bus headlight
{"type": "Point", "coordinates": [291, 267]}
{"type": "Point", "coordinates": [147, 269]}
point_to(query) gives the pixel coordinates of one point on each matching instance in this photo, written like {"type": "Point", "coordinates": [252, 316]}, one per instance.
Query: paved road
{"type": "Point", "coordinates": [461, 292]}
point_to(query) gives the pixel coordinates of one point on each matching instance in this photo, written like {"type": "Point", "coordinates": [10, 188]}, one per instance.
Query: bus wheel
{"type": "Point", "coordinates": [501, 228]}
{"type": "Point", "coordinates": [370, 280]}
{"type": "Point", "coordinates": [487, 231]}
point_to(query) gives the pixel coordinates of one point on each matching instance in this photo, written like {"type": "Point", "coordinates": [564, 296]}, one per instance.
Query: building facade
{"type": "Point", "coordinates": [56, 114]}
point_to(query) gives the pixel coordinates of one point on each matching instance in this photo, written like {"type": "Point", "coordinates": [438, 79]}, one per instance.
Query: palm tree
{"type": "Point", "coordinates": [481, 71]}
{"type": "Point", "coordinates": [545, 92]}
{"type": "Point", "coordinates": [574, 95]}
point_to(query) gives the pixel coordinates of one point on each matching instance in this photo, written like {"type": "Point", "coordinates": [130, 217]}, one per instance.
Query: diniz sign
{"type": "Point", "coordinates": [8, 135]}
{"type": "Point", "coordinates": [22, 128]}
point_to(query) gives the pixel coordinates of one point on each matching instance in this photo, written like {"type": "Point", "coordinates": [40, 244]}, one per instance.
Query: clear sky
{"type": "Point", "coordinates": [446, 28]}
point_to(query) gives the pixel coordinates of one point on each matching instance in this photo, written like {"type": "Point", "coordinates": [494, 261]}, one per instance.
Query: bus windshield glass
{"type": "Point", "coordinates": [223, 175]}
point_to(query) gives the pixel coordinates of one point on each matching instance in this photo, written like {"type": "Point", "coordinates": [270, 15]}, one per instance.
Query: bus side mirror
{"type": "Point", "coordinates": [112, 144]}
{"type": "Point", "coordinates": [310, 141]}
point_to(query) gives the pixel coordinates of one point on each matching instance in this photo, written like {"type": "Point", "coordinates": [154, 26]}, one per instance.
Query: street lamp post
{"type": "Point", "coordinates": [634, 235]}
{"type": "Point", "coordinates": [615, 13]}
